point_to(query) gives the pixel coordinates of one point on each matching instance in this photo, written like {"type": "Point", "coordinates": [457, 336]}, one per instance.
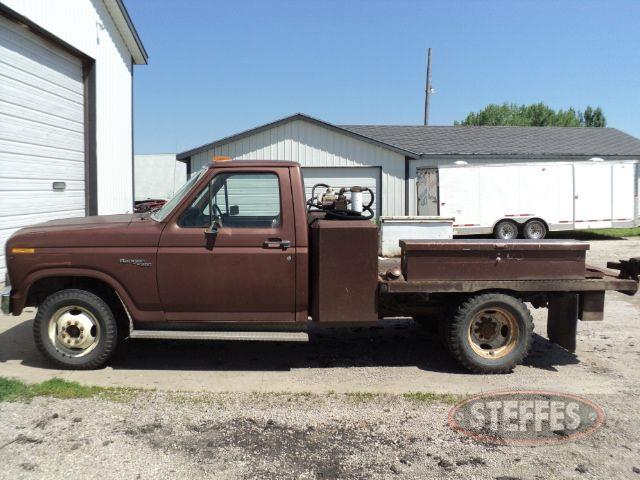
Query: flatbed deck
{"type": "Point", "coordinates": [595, 280]}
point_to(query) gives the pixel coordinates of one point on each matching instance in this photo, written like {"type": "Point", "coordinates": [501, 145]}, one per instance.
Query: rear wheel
{"type": "Point", "coordinates": [490, 333]}
{"type": "Point", "coordinates": [506, 230]}
{"type": "Point", "coordinates": [534, 230]}
{"type": "Point", "coordinates": [75, 329]}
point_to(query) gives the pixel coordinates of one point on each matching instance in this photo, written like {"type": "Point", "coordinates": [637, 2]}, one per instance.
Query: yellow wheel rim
{"type": "Point", "coordinates": [493, 332]}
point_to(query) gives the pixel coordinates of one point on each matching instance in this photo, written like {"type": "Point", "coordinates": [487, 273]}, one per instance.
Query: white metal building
{"type": "Point", "coordinates": [66, 126]}
{"type": "Point", "coordinates": [393, 159]}
{"type": "Point", "coordinates": [158, 176]}
{"type": "Point", "coordinates": [328, 153]}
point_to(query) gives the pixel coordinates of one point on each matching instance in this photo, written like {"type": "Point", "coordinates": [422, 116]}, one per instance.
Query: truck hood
{"type": "Point", "coordinates": [73, 222]}
{"type": "Point", "coordinates": [132, 230]}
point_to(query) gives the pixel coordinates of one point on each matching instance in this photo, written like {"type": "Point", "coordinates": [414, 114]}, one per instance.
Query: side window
{"type": "Point", "coordinates": [239, 200]}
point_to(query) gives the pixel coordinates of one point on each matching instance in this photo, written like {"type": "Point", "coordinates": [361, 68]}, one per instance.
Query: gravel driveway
{"type": "Point", "coordinates": [248, 436]}
{"type": "Point", "coordinates": [305, 429]}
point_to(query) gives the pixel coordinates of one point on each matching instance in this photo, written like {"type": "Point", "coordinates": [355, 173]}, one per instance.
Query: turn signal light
{"type": "Point", "coordinates": [221, 159]}
{"type": "Point", "coordinates": [23, 250]}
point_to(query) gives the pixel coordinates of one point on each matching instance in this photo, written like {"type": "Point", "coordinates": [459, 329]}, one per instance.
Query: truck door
{"type": "Point", "coordinates": [246, 273]}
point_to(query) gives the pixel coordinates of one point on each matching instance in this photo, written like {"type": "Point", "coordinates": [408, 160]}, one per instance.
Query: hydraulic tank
{"type": "Point", "coordinates": [344, 271]}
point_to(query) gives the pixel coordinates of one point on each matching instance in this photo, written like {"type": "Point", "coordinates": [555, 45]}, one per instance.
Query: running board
{"type": "Point", "coordinates": [221, 335]}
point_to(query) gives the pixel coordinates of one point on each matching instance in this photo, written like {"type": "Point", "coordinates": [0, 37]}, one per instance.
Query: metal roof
{"type": "Point", "coordinates": [418, 140]}
{"type": "Point", "coordinates": [290, 118]}
{"type": "Point", "coordinates": [489, 140]}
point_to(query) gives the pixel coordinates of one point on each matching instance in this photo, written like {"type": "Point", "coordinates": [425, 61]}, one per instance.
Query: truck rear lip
{"type": "Point", "coordinates": [6, 300]}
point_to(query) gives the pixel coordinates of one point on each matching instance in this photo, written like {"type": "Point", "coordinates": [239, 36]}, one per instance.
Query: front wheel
{"type": "Point", "coordinates": [75, 329]}
{"type": "Point", "coordinates": [490, 333]}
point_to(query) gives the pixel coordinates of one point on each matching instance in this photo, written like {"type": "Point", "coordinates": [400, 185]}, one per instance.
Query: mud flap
{"type": "Point", "coordinates": [562, 320]}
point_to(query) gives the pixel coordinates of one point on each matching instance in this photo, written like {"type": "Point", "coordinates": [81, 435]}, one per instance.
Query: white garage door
{"type": "Point", "coordinates": [41, 132]}
{"type": "Point", "coordinates": [339, 177]}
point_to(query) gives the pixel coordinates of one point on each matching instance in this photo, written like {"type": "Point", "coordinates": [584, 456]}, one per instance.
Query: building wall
{"type": "Point", "coordinates": [87, 26]}
{"type": "Point", "coordinates": [438, 160]}
{"type": "Point", "coordinates": [315, 146]}
{"type": "Point", "coordinates": [158, 176]}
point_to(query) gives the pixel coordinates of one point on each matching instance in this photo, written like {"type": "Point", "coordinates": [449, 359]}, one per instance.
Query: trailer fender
{"type": "Point", "coordinates": [562, 319]}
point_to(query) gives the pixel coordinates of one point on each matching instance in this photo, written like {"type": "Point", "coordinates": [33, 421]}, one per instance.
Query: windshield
{"type": "Point", "coordinates": [161, 214]}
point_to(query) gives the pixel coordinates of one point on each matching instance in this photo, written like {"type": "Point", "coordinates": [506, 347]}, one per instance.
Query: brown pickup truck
{"type": "Point", "coordinates": [239, 254]}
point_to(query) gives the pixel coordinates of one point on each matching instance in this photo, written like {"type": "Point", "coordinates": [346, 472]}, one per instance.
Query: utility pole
{"type": "Point", "coordinates": [428, 89]}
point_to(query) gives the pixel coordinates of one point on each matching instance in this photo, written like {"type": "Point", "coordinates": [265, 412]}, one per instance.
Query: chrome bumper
{"type": "Point", "coordinates": [6, 300]}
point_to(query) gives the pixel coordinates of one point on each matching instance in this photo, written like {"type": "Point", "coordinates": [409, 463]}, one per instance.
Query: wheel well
{"type": "Point", "coordinates": [44, 287]}
{"type": "Point", "coordinates": [505, 220]}
{"type": "Point", "coordinates": [546, 225]}
{"type": "Point", "coordinates": [519, 225]}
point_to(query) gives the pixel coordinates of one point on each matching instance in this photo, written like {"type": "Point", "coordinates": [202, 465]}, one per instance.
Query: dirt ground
{"type": "Point", "coordinates": [287, 411]}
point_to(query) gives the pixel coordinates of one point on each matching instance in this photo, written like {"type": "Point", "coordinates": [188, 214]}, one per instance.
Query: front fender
{"type": "Point", "coordinates": [19, 295]}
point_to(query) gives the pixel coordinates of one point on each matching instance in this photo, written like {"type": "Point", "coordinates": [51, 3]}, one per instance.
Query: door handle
{"type": "Point", "coordinates": [276, 243]}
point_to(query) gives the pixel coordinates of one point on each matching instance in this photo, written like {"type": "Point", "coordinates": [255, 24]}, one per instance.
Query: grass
{"type": "Point", "coordinates": [17, 390]}
{"type": "Point", "coordinates": [361, 396]}
{"type": "Point", "coordinates": [598, 234]}
{"type": "Point", "coordinates": [12, 390]}
{"type": "Point", "coordinates": [429, 397]}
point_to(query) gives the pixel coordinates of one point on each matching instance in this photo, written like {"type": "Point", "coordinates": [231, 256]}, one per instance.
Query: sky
{"type": "Point", "coordinates": [220, 67]}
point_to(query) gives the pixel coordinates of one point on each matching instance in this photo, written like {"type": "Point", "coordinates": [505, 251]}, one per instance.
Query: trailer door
{"type": "Point", "coordinates": [623, 188]}
{"type": "Point", "coordinates": [460, 195]}
{"type": "Point", "coordinates": [592, 195]}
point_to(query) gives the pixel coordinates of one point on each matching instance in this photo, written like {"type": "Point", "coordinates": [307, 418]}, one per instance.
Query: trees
{"type": "Point", "coordinates": [534, 115]}
{"type": "Point", "coordinates": [594, 117]}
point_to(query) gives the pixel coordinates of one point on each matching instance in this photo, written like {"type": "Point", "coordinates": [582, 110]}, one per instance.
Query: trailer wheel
{"type": "Point", "coordinates": [505, 230]}
{"type": "Point", "coordinates": [75, 329]}
{"type": "Point", "coordinates": [490, 333]}
{"type": "Point", "coordinates": [534, 230]}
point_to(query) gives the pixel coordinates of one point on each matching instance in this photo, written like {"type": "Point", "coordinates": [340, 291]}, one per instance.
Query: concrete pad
{"type": "Point", "coordinates": [399, 357]}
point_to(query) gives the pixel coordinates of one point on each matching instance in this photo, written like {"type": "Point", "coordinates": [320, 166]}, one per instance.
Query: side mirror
{"type": "Point", "coordinates": [234, 210]}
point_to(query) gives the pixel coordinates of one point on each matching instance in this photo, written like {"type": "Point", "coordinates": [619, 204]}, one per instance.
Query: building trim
{"type": "Point", "coordinates": [133, 156]}
{"type": "Point", "coordinates": [533, 156]}
{"type": "Point", "coordinates": [124, 24]}
{"type": "Point", "coordinates": [90, 149]}
{"type": "Point", "coordinates": [291, 118]}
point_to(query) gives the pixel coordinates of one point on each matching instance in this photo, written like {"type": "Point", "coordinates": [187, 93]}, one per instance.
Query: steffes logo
{"type": "Point", "coordinates": [140, 262]}
{"type": "Point", "coordinates": [526, 417]}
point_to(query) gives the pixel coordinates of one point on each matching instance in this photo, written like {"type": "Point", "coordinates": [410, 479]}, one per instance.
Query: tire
{"type": "Point", "coordinates": [504, 349]}
{"type": "Point", "coordinates": [534, 230]}
{"type": "Point", "coordinates": [505, 230]}
{"type": "Point", "coordinates": [75, 329]}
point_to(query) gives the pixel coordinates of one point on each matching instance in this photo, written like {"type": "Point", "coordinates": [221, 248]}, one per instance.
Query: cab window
{"type": "Point", "coordinates": [238, 200]}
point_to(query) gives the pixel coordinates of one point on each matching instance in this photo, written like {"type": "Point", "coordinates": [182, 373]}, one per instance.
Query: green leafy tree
{"type": "Point", "coordinates": [534, 115]}
{"type": "Point", "coordinates": [594, 117]}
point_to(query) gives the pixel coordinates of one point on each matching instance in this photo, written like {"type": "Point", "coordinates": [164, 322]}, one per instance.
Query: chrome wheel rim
{"type": "Point", "coordinates": [535, 230]}
{"type": "Point", "coordinates": [493, 333]}
{"type": "Point", "coordinates": [74, 331]}
{"type": "Point", "coordinates": [507, 231]}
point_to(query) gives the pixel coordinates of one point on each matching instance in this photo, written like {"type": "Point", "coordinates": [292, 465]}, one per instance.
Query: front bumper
{"type": "Point", "coordinates": [6, 300]}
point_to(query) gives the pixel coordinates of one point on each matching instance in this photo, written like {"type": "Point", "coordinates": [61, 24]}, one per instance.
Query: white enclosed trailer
{"type": "Point", "coordinates": [530, 199]}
